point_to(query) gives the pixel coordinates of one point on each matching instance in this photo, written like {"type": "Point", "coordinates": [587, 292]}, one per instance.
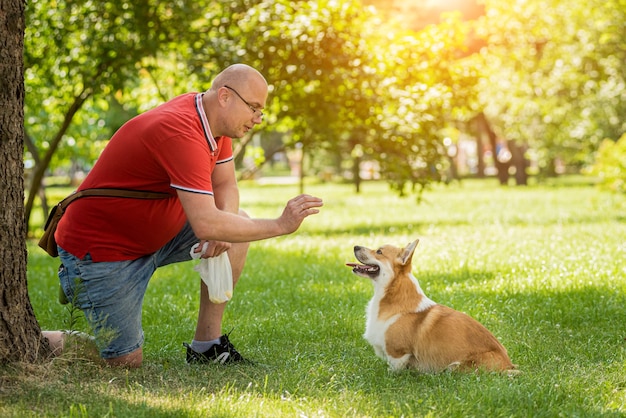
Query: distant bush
{"type": "Point", "coordinates": [610, 165]}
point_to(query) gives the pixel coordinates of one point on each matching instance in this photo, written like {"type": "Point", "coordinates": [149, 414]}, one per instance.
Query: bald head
{"type": "Point", "coordinates": [238, 75]}
{"type": "Point", "coordinates": [235, 101]}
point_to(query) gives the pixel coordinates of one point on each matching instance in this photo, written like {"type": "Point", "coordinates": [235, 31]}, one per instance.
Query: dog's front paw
{"type": "Point", "coordinates": [378, 350]}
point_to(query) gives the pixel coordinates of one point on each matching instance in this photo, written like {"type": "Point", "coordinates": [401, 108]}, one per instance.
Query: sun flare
{"type": "Point", "coordinates": [416, 14]}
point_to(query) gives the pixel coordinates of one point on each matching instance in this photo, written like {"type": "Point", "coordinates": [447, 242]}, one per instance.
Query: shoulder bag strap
{"type": "Point", "coordinates": [134, 194]}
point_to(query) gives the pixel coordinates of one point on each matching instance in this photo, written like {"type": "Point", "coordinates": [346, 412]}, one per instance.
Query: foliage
{"type": "Point", "coordinates": [298, 47]}
{"type": "Point", "coordinates": [554, 76]}
{"type": "Point", "coordinates": [342, 83]}
{"type": "Point", "coordinates": [610, 165]}
{"type": "Point", "coordinates": [536, 265]}
{"type": "Point", "coordinates": [429, 92]}
{"type": "Point", "coordinates": [79, 56]}
{"type": "Point", "coordinates": [343, 80]}
{"type": "Point", "coordinates": [88, 50]}
{"type": "Point", "coordinates": [321, 61]}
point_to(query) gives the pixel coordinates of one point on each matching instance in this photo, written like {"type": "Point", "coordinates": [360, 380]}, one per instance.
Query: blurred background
{"type": "Point", "coordinates": [408, 92]}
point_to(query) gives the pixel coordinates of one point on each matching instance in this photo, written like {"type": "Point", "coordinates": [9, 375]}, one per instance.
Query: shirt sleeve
{"type": "Point", "coordinates": [225, 150]}
{"type": "Point", "coordinates": [187, 162]}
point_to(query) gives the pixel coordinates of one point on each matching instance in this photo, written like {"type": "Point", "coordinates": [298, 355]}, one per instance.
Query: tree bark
{"type": "Point", "coordinates": [20, 335]}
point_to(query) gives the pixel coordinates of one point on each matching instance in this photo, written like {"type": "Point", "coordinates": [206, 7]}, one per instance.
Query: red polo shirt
{"type": "Point", "coordinates": [169, 147]}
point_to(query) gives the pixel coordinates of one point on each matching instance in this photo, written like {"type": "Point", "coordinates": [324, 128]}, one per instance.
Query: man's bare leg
{"type": "Point", "coordinates": [209, 326]}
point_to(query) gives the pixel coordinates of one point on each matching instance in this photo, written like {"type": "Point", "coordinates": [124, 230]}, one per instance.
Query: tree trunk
{"type": "Point", "coordinates": [44, 163]}
{"type": "Point", "coordinates": [480, 152]}
{"type": "Point", "coordinates": [502, 167]}
{"type": "Point", "coordinates": [20, 335]}
{"type": "Point", "coordinates": [356, 173]}
{"type": "Point", "coordinates": [304, 151]}
{"type": "Point", "coordinates": [32, 148]}
{"type": "Point", "coordinates": [519, 162]}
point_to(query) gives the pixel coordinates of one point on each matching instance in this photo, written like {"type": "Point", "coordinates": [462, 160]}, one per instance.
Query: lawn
{"type": "Point", "coordinates": [543, 267]}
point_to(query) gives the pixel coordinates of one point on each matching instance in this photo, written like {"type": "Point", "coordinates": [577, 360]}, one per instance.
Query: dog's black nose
{"type": "Point", "coordinates": [357, 247]}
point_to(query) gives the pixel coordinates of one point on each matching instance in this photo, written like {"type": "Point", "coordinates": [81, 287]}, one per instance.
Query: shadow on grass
{"type": "Point", "coordinates": [421, 226]}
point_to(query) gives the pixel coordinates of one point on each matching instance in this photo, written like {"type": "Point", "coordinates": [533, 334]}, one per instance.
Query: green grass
{"type": "Point", "coordinates": [543, 267]}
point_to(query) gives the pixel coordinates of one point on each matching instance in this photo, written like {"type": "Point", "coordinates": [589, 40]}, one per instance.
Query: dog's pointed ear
{"type": "Point", "coordinates": [407, 253]}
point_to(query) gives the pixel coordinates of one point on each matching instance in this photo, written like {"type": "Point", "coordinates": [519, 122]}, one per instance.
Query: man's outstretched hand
{"type": "Point", "coordinates": [297, 209]}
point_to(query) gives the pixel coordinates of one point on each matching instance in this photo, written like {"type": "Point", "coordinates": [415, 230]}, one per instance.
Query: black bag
{"type": "Point", "coordinates": [47, 241]}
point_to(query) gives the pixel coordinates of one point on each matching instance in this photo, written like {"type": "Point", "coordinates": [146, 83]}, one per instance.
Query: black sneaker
{"type": "Point", "coordinates": [222, 353]}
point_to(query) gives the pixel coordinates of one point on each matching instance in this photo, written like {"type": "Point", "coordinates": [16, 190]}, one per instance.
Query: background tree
{"type": "Point", "coordinates": [427, 93]}
{"type": "Point", "coordinates": [554, 76]}
{"type": "Point", "coordinates": [321, 62]}
{"type": "Point", "coordinates": [337, 75]}
{"type": "Point", "coordinates": [610, 165]}
{"type": "Point", "coordinates": [346, 85]}
{"type": "Point", "coordinates": [20, 336]}
{"type": "Point", "coordinates": [79, 55]}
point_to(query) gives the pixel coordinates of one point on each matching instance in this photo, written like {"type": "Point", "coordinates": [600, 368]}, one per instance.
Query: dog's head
{"type": "Point", "coordinates": [383, 264]}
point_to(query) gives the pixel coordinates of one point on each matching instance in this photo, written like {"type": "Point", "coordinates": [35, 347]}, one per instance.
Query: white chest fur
{"type": "Point", "coordinates": [375, 328]}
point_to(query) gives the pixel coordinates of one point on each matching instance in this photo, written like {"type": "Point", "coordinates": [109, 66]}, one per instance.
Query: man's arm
{"type": "Point", "coordinates": [209, 222]}
{"type": "Point", "coordinates": [225, 190]}
{"type": "Point", "coordinates": [226, 195]}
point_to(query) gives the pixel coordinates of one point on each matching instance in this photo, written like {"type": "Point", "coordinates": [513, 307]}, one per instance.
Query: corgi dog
{"type": "Point", "coordinates": [409, 330]}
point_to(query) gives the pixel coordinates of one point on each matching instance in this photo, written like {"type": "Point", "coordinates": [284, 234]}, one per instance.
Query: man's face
{"type": "Point", "coordinates": [246, 108]}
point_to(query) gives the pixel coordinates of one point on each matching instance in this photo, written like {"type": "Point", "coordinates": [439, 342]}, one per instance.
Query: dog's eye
{"type": "Point", "coordinates": [379, 251]}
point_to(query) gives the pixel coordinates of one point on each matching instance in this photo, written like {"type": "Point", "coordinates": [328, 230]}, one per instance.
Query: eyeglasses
{"type": "Point", "coordinates": [257, 112]}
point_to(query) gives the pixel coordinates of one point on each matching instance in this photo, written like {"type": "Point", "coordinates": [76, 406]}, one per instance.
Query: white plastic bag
{"type": "Point", "coordinates": [215, 273]}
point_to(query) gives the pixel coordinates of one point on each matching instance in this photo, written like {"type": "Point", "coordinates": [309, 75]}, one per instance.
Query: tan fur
{"type": "Point", "coordinates": [409, 330]}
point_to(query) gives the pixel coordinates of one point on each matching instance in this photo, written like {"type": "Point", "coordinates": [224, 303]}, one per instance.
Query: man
{"type": "Point", "coordinates": [110, 246]}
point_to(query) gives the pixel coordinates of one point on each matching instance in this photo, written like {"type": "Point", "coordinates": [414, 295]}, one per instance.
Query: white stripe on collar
{"type": "Point", "coordinates": [205, 122]}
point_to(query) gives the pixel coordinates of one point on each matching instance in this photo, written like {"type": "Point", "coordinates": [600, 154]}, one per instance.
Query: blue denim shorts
{"type": "Point", "coordinates": [110, 294]}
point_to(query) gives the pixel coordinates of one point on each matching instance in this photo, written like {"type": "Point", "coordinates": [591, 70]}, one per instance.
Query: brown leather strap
{"type": "Point", "coordinates": [134, 194]}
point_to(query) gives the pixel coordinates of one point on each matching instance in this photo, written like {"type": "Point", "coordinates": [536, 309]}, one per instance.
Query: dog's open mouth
{"type": "Point", "coordinates": [365, 269]}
